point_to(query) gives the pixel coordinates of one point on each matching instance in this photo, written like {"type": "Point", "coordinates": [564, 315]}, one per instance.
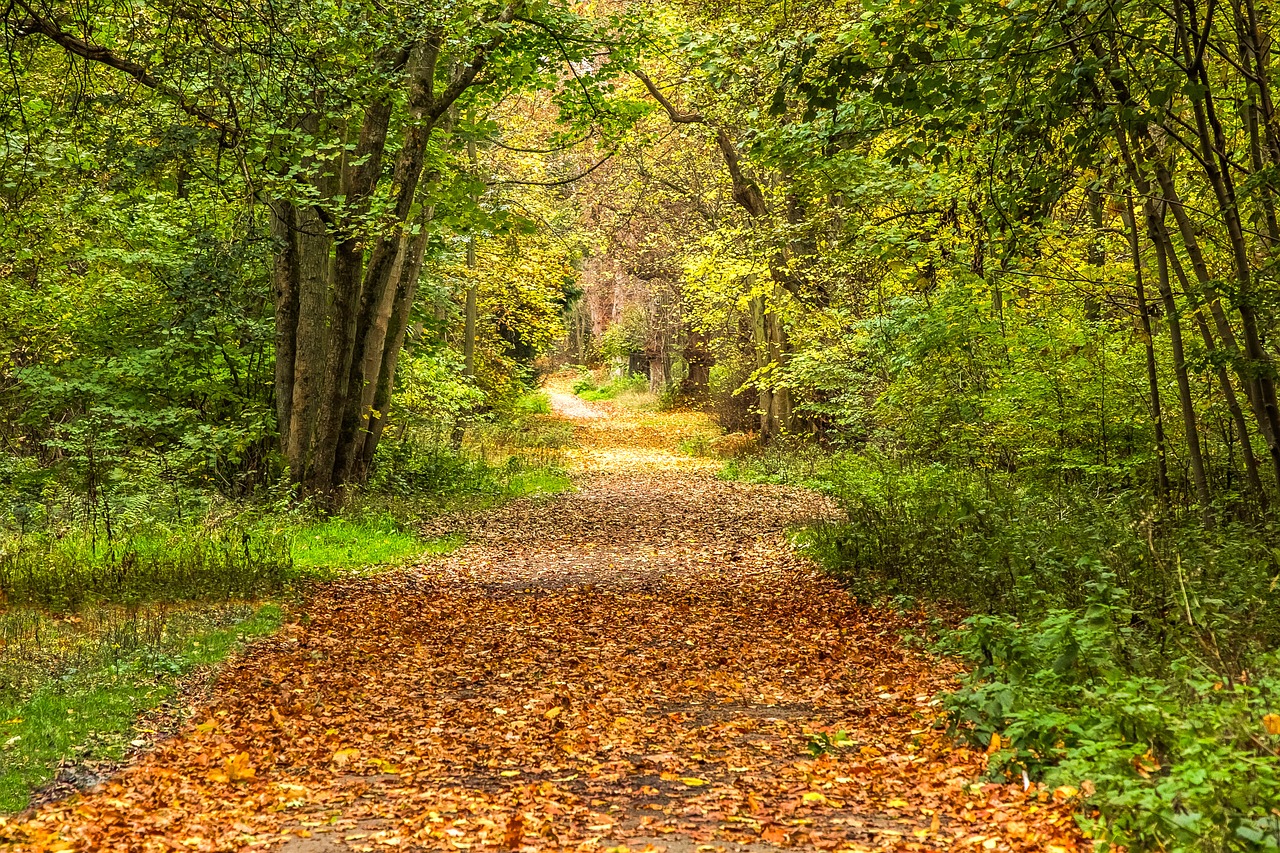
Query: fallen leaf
{"type": "Point", "coordinates": [343, 757]}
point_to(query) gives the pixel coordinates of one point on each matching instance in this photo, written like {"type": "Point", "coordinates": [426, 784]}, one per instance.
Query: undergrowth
{"type": "Point", "coordinates": [1128, 659]}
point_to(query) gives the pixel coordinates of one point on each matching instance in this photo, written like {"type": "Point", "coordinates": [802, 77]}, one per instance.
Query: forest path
{"type": "Point", "coordinates": [644, 664]}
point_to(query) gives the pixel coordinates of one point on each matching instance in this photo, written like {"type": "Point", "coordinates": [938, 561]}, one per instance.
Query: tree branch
{"type": "Point", "coordinates": [34, 23]}
{"type": "Point", "coordinates": [466, 76]}
{"type": "Point", "coordinates": [675, 115]}
{"type": "Point", "coordinates": [746, 192]}
{"type": "Point", "coordinates": [563, 181]}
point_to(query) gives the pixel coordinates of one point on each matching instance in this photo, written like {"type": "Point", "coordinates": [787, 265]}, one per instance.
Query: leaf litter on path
{"type": "Point", "coordinates": [643, 664]}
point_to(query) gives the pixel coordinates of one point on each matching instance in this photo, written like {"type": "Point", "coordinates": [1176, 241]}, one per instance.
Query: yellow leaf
{"type": "Point", "coordinates": [1271, 722]}
{"type": "Point", "coordinates": [898, 804]}
{"type": "Point", "coordinates": [994, 746]}
{"type": "Point", "coordinates": [343, 756]}
{"type": "Point", "coordinates": [509, 773]}
{"type": "Point", "coordinates": [693, 782]}
{"type": "Point", "coordinates": [237, 768]}
{"type": "Point", "coordinates": [553, 713]}
{"type": "Point", "coordinates": [814, 797]}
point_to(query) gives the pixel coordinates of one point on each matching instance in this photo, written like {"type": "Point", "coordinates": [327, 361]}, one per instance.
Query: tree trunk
{"type": "Point", "coordinates": [1153, 378]}
{"type": "Point", "coordinates": [471, 315]}
{"type": "Point", "coordinates": [1156, 230]}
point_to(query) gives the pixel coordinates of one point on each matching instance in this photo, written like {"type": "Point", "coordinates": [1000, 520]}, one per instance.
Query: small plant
{"type": "Point", "coordinates": [533, 403]}
{"type": "Point", "coordinates": [822, 743]}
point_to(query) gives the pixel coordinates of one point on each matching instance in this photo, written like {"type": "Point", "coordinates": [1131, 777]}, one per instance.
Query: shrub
{"type": "Point", "coordinates": [633, 384]}
{"type": "Point", "coordinates": [1129, 657]}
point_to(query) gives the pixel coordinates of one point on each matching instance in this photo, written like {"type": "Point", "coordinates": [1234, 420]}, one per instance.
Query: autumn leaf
{"type": "Point", "coordinates": [514, 832]}
{"type": "Point", "coordinates": [343, 757]}
{"type": "Point", "coordinates": [1271, 722]}
{"type": "Point", "coordinates": [234, 768]}
{"type": "Point", "coordinates": [1146, 764]}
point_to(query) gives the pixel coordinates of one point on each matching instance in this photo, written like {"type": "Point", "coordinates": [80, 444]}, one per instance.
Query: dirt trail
{"type": "Point", "coordinates": [643, 664]}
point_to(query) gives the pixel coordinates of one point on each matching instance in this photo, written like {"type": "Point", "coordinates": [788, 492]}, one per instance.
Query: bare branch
{"type": "Point", "coordinates": [674, 114]}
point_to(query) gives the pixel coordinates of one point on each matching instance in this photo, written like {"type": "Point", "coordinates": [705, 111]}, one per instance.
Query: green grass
{"type": "Point", "coordinates": [532, 403]}
{"type": "Point", "coordinates": [538, 481]}
{"type": "Point", "coordinates": [340, 543]}
{"type": "Point", "coordinates": [588, 390]}
{"type": "Point", "coordinates": [66, 573]}
{"type": "Point", "coordinates": [90, 716]}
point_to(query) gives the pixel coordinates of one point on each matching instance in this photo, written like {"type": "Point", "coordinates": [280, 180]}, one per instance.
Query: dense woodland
{"type": "Point", "coordinates": [1001, 277]}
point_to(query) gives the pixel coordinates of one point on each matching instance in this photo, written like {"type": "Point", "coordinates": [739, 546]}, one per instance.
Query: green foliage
{"type": "Point", "coordinates": [340, 543]}
{"type": "Point", "coordinates": [1128, 658]}
{"type": "Point", "coordinates": [1167, 753]}
{"type": "Point", "coordinates": [533, 403]}
{"type": "Point", "coordinates": [434, 397]}
{"type": "Point", "coordinates": [68, 573]}
{"type": "Point", "coordinates": [626, 336]}
{"type": "Point", "coordinates": [821, 743]}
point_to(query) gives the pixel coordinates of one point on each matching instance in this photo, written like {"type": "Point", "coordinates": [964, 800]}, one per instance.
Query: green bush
{"type": "Point", "coordinates": [533, 403]}
{"type": "Point", "coordinates": [1129, 656]}
{"type": "Point", "coordinates": [1169, 751]}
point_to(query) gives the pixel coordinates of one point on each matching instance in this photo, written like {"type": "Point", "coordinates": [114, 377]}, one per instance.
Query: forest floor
{"type": "Point", "coordinates": [642, 664]}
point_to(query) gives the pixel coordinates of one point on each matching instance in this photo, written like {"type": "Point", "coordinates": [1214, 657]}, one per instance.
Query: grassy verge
{"type": "Point", "coordinates": [92, 639]}
{"type": "Point", "coordinates": [587, 388]}
{"type": "Point", "coordinates": [94, 633]}
{"type": "Point", "coordinates": [1125, 658]}
{"type": "Point", "coordinates": [339, 543]}
{"type": "Point", "coordinates": [90, 716]}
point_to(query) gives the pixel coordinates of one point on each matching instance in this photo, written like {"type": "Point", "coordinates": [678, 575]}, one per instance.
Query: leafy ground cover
{"type": "Point", "coordinates": [80, 724]}
{"type": "Point", "coordinates": [593, 390]}
{"type": "Point", "coordinates": [643, 663]}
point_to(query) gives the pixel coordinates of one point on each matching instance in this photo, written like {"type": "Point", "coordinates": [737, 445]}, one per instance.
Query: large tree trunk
{"type": "Point", "coordinates": [343, 310]}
